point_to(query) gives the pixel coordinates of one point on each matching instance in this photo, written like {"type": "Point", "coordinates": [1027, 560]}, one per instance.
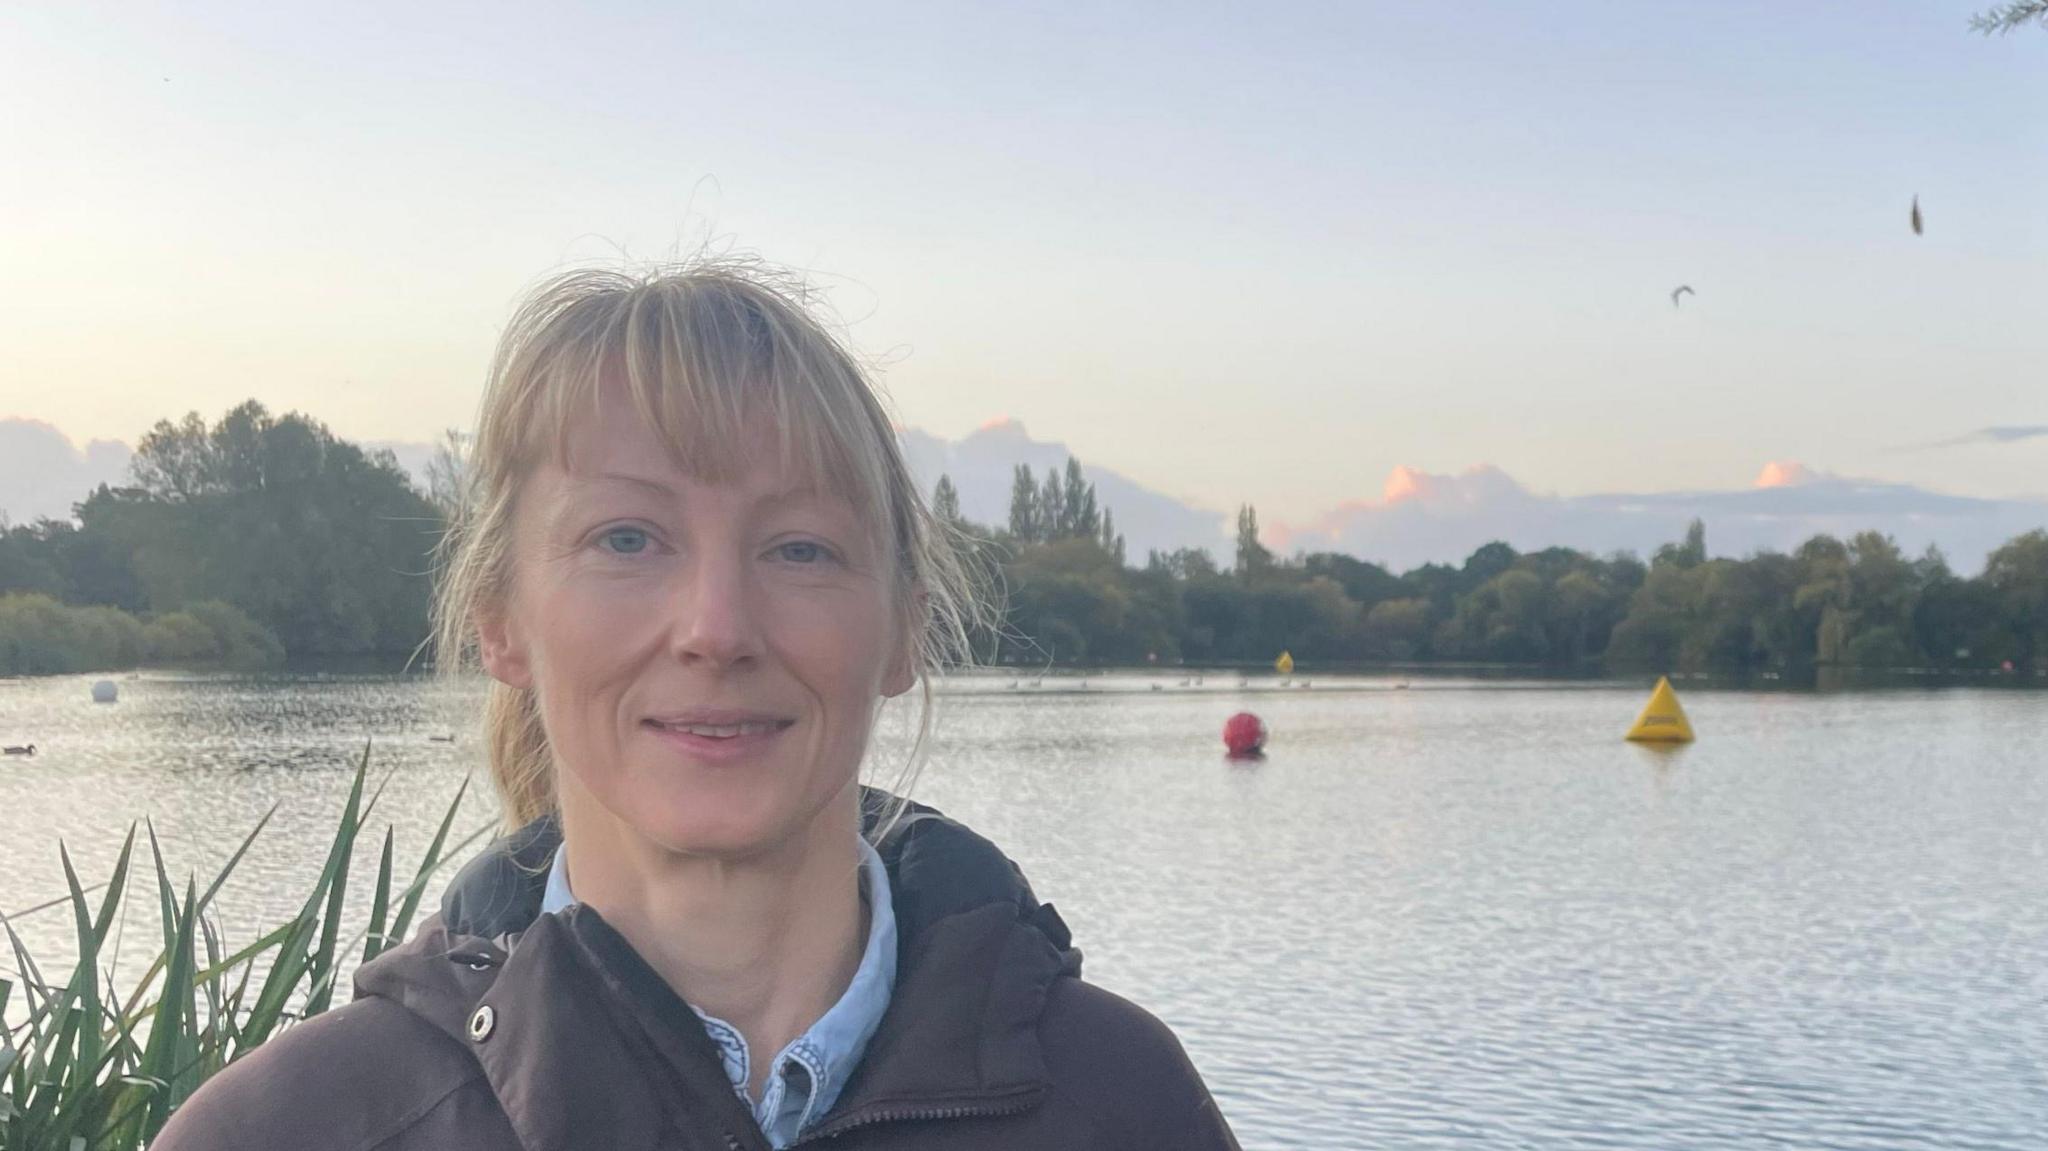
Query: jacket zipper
{"type": "Point", "coordinates": [886, 1115]}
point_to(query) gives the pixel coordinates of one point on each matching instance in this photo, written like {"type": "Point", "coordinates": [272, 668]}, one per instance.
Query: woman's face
{"type": "Point", "coordinates": [707, 659]}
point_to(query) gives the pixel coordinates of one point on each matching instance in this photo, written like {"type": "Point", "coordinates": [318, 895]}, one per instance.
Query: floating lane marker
{"type": "Point", "coordinates": [1663, 720]}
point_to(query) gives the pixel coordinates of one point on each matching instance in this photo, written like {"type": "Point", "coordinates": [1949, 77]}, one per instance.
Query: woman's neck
{"type": "Point", "coordinates": [767, 944]}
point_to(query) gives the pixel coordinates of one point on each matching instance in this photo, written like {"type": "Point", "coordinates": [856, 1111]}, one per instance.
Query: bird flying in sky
{"type": "Point", "coordinates": [1680, 290]}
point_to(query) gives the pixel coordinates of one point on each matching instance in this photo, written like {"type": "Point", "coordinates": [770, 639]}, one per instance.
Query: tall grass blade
{"type": "Point", "coordinates": [166, 894]}
{"type": "Point", "coordinates": [243, 958]}
{"type": "Point", "coordinates": [117, 888]}
{"type": "Point", "coordinates": [210, 985]}
{"type": "Point", "coordinates": [46, 905]}
{"type": "Point", "coordinates": [295, 958]}
{"type": "Point", "coordinates": [278, 983]}
{"type": "Point", "coordinates": [428, 866]}
{"type": "Point", "coordinates": [380, 903]}
{"type": "Point", "coordinates": [169, 1028]}
{"type": "Point", "coordinates": [323, 969]}
{"type": "Point", "coordinates": [77, 1059]}
{"type": "Point", "coordinates": [235, 859]}
{"type": "Point", "coordinates": [429, 863]}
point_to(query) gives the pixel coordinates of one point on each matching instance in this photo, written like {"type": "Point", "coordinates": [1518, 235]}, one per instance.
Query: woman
{"type": "Point", "coordinates": [695, 565]}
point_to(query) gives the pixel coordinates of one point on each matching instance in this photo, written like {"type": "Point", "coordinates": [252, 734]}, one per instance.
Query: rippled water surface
{"type": "Point", "coordinates": [1461, 915]}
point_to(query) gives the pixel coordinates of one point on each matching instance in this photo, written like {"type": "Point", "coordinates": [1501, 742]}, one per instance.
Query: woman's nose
{"type": "Point", "coordinates": [716, 619]}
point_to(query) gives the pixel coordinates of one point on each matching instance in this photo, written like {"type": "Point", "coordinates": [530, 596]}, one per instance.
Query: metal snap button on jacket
{"type": "Point", "coordinates": [481, 1023]}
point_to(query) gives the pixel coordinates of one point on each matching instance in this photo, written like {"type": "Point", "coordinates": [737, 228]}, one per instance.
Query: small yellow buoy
{"type": "Point", "coordinates": [1285, 664]}
{"type": "Point", "coordinates": [1662, 721]}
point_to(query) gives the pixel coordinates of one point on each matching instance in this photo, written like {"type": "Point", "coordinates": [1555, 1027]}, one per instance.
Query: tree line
{"type": "Point", "coordinates": [1858, 602]}
{"type": "Point", "coordinates": [259, 538]}
{"type": "Point", "coordinates": [240, 544]}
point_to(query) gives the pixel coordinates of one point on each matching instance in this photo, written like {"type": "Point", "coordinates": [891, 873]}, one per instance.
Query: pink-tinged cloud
{"type": "Point", "coordinates": [1403, 483]}
{"type": "Point", "coordinates": [1410, 498]}
{"type": "Point", "coordinates": [1787, 474]}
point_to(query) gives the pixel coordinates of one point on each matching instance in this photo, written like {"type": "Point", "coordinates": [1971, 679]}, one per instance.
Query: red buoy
{"type": "Point", "coordinates": [1244, 734]}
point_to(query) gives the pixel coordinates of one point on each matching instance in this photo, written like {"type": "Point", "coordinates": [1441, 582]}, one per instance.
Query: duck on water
{"type": "Point", "coordinates": [25, 749]}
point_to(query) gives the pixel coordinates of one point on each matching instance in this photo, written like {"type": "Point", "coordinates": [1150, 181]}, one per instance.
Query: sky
{"type": "Point", "coordinates": [1241, 253]}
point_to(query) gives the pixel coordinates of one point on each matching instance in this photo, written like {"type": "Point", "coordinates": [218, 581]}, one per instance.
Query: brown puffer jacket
{"type": "Point", "coordinates": [498, 1028]}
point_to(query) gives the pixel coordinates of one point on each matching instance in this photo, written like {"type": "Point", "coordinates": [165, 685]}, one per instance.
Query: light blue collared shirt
{"type": "Point", "coordinates": [809, 1073]}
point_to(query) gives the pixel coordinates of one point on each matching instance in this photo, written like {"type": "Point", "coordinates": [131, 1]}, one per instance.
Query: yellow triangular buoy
{"type": "Point", "coordinates": [1285, 664]}
{"type": "Point", "coordinates": [1662, 721]}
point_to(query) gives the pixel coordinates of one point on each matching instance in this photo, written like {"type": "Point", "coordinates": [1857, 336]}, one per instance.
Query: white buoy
{"type": "Point", "coordinates": [105, 692]}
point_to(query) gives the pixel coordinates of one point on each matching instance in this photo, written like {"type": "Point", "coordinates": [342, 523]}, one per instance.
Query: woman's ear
{"type": "Point", "coordinates": [902, 670]}
{"type": "Point", "coordinates": [502, 649]}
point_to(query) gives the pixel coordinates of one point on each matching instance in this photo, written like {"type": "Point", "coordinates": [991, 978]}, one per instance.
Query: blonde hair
{"type": "Point", "coordinates": [698, 349]}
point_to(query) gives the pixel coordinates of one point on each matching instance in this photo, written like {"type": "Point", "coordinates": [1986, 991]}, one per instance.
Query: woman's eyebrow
{"type": "Point", "coordinates": [794, 496]}
{"type": "Point", "coordinates": [643, 483]}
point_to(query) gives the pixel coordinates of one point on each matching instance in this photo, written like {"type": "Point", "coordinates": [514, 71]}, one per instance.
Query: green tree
{"type": "Point", "coordinates": [96, 569]}
{"type": "Point", "coordinates": [1215, 608]}
{"type": "Point", "coordinates": [1366, 583]}
{"type": "Point", "coordinates": [326, 547]}
{"type": "Point", "coordinates": [1024, 504]}
{"type": "Point", "coordinates": [1755, 599]}
{"type": "Point", "coordinates": [1112, 540]}
{"type": "Point", "coordinates": [1396, 628]}
{"type": "Point", "coordinates": [1067, 605]}
{"type": "Point", "coordinates": [946, 501]}
{"type": "Point", "coordinates": [1082, 518]}
{"type": "Point", "coordinates": [1652, 635]}
{"type": "Point", "coordinates": [175, 461]}
{"type": "Point", "coordinates": [1252, 557]}
{"type": "Point", "coordinates": [236, 456]}
{"type": "Point", "coordinates": [1583, 609]}
{"type": "Point", "coordinates": [27, 561]}
{"type": "Point", "coordinates": [1826, 596]}
{"type": "Point", "coordinates": [1884, 589]}
{"type": "Point", "coordinates": [2017, 574]}
{"type": "Point", "coordinates": [1728, 599]}
{"type": "Point", "coordinates": [1690, 554]}
{"type": "Point", "coordinates": [2007, 17]}
{"type": "Point", "coordinates": [1883, 646]}
{"type": "Point", "coordinates": [1310, 617]}
{"type": "Point", "coordinates": [1962, 623]}
{"type": "Point", "coordinates": [1052, 508]}
{"type": "Point", "coordinates": [1182, 563]}
{"type": "Point", "coordinates": [448, 474]}
{"type": "Point", "coordinates": [1440, 584]}
{"type": "Point", "coordinates": [1501, 620]}
{"type": "Point", "coordinates": [1486, 563]}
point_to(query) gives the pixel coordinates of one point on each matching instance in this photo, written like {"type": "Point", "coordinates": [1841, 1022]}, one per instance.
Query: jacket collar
{"type": "Point", "coordinates": [977, 954]}
{"type": "Point", "coordinates": [937, 868]}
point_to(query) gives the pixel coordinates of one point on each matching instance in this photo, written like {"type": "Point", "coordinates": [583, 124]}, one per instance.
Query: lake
{"type": "Point", "coordinates": [1459, 915]}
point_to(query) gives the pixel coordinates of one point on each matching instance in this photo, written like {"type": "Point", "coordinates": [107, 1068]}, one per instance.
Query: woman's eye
{"type": "Point", "coordinates": [624, 541]}
{"type": "Point", "coordinates": [803, 552]}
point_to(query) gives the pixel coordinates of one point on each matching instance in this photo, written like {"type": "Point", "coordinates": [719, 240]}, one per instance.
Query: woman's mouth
{"type": "Point", "coordinates": [719, 742]}
{"type": "Point", "coordinates": [723, 730]}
